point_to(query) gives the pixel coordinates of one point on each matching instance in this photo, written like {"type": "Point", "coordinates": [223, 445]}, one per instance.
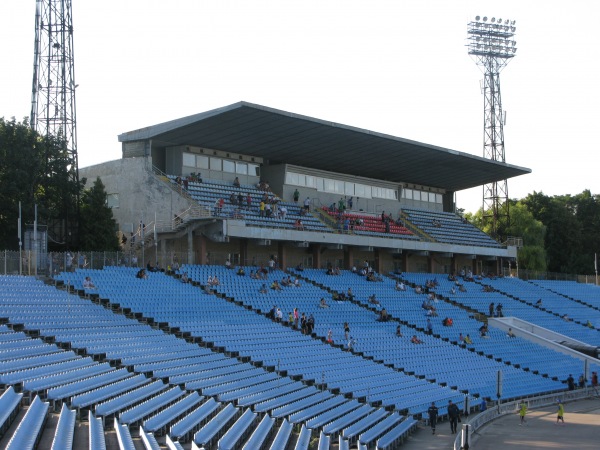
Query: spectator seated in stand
{"type": "Point", "coordinates": [415, 340]}
{"type": "Point", "coordinates": [400, 286]}
{"type": "Point", "coordinates": [447, 322]}
{"type": "Point", "coordinates": [350, 294]}
{"type": "Point", "coordinates": [300, 267]}
{"type": "Point", "coordinates": [185, 278]}
{"type": "Point", "coordinates": [398, 331]}
{"type": "Point", "coordinates": [383, 316]}
{"type": "Point", "coordinates": [236, 182]}
{"type": "Point", "coordinates": [483, 331]}
{"type": "Point", "coordinates": [241, 271]}
{"type": "Point", "coordinates": [468, 339]}
{"type": "Point", "coordinates": [87, 283]}
{"type": "Point", "coordinates": [372, 276]}
{"type": "Point", "coordinates": [299, 225]}
{"type": "Point", "coordinates": [373, 300]}
{"type": "Point", "coordinates": [263, 289]}
{"type": "Point", "coordinates": [323, 303]}
{"type": "Point", "coordinates": [510, 333]}
{"type": "Point", "coordinates": [275, 286]}
{"type": "Point", "coordinates": [142, 274]}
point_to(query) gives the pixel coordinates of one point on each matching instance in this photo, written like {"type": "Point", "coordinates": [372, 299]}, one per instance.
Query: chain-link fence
{"type": "Point", "coordinates": [27, 262]}
{"type": "Point", "coordinates": [49, 264]}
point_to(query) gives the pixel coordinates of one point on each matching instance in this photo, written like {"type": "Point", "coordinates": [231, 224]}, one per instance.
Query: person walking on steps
{"type": "Point", "coordinates": [453, 414]}
{"type": "Point", "coordinates": [433, 413]}
{"type": "Point", "coordinates": [522, 412]}
{"type": "Point", "coordinates": [561, 413]}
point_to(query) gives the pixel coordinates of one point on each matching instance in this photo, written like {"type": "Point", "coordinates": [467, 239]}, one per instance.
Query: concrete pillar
{"type": "Point", "coordinates": [244, 252]}
{"type": "Point", "coordinates": [282, 255]}
{"type": "Point", "coordinates": [430, 263]}
{"type": "Point", "coordinates": [316, 250]}
{"type": "Point", "coordinates": [377, 264]}
{"type": "Point", "coordinates": [190, 247]}
{"type": "Point", "coordinates": [405, 267]}
{"type": "Point", "coordinates": [163, 254]}
{"type": "Point", "coordinates": [348, 257]}
{"type": "Point", "coordinates": [200, 249]}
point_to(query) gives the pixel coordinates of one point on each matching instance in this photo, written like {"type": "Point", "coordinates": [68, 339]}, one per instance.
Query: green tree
{"type": "Point", "coordinates": [34, 170]}
{"type": "Point", "coordinates": [563, 241]}
{"type": "Point", "coordinates": [523, 224]}
{"type": "Point", "coordinates": [532, 255]}
{"type": "Point", "coordinates": [97, 224]}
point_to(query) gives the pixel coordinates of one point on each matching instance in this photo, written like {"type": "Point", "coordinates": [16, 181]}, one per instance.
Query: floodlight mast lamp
{"type": "Point", "coordinates": [492, 45]}
{"type": "Point", "coordinates": [53, 110]}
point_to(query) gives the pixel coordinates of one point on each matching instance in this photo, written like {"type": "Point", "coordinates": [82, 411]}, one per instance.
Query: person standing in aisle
{"type": "Point", "coordinates": [561, 413]}
{"type": "Point", "coordinates": [453, 414]}
{"type": "Point", "coordinates": [433, 414]}
{"type": "Point", "coordinates": [522, 412]}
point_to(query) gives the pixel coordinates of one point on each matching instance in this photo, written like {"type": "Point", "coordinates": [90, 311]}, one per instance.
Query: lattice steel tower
{"type": "Point", "coordinates": [53, 89]}
{"type": "Point", "coordinates": [493, 46]}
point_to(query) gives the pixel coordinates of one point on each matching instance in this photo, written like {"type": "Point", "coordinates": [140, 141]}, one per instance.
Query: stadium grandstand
{"type": "Point", "coordinates": [284, 283]}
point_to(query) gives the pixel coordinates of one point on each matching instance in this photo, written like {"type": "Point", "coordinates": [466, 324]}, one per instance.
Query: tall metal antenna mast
{"type": "Point", "coordinates": [493, 46]}
{"type": "Point", "coordinates": [53, 91]}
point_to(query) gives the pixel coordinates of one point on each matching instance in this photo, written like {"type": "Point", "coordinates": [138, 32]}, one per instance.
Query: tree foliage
{"type": "Point", "coordinates": [34, 170]}
{"type": "Point", "coordinates": [523, 224]}
{"type": "Point", "coordinates": [572, 222]}
{"type": "Point", "coordinates": [97, 230]}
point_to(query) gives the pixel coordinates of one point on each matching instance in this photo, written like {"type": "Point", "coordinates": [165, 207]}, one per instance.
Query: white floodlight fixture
{"type": "Point", "coordinates": [493, 20]}
{"type": "Point", "coordinates": [499, 20]}
{"type": "Point", "coordinates": [506, 22]}
{"type": "Point", "coordinates": [477, 18]}
{"type": "Point", "coordinates": [485, 18]}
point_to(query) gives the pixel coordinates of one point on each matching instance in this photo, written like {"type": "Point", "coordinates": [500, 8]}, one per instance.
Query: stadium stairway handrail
{"type": "Point", "coordinates": [415, 229]}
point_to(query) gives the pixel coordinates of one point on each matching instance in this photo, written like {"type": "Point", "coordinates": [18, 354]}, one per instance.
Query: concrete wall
{"type": "Point", "coordinates": [141, 193]}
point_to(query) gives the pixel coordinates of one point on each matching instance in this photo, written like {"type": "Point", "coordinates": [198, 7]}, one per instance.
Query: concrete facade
{"type": "Point", "coordinates": [141, 194]}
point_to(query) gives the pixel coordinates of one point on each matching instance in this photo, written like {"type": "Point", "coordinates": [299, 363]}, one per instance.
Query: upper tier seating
{"type": "Point", "coordinates": [448, 228]}
{"type": "Point", "coordinates": [370, 225]}
{"type": "Point", "coordinates": [209, 192]}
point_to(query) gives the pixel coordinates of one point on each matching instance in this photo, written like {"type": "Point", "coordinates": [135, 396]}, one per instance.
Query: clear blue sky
{"type": "Point", "coordinates": [397, 67]}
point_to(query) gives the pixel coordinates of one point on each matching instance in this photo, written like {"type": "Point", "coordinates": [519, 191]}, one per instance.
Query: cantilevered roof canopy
{"type": "Point", "coordinates": [283, 137]}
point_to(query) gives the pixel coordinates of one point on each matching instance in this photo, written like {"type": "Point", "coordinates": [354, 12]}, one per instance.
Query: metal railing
{"type": "Point", "coordinates": [464, 438]}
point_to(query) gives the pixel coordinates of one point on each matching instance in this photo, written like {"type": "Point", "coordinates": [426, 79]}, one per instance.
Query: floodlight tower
{"type": "Point", "coordinates": [493, 46]}
{"type": "Point", "coordinates": [53, 91]}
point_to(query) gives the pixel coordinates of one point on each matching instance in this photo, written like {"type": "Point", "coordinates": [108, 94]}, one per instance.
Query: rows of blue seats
{"type": "Point", "coordinates": [382, 343]}
{"type": "Point", "coordinates": [148, 297]}
{"type": "Point", "coordinates": [208, 193]}
{"type": "Point", "coordinates": [448, 228]}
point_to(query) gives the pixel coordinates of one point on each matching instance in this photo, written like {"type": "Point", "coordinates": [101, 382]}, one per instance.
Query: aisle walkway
{"type": "Point", "coordinates": [580, 432]}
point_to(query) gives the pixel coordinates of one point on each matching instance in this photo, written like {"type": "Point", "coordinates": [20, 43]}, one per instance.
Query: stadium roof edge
{"type": "Point", "coordinates": [284, 137]}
